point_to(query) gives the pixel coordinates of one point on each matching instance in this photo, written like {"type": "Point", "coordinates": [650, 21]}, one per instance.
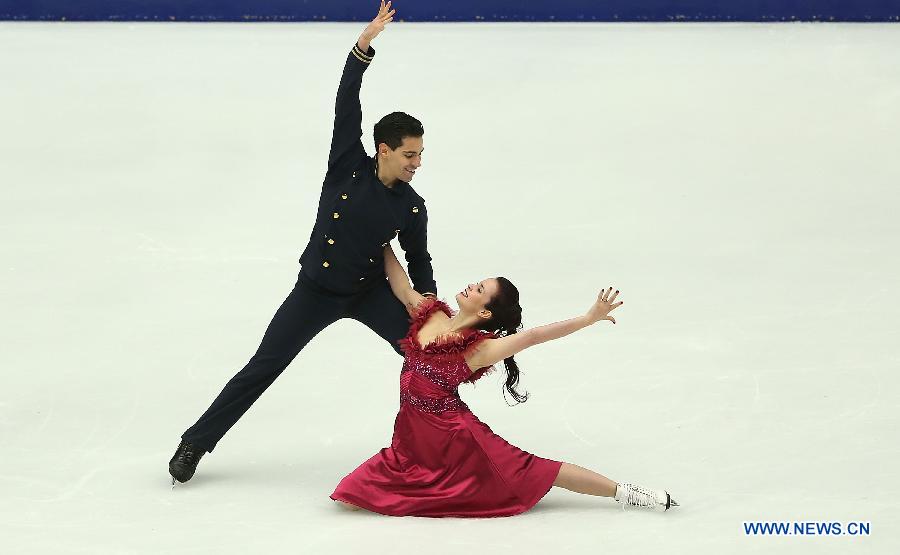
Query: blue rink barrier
{"type": "Point", "coordinates": [446, 10]}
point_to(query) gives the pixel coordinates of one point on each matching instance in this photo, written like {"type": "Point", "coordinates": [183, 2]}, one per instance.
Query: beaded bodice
{"type": "Point", "coordinates": [432, 373]}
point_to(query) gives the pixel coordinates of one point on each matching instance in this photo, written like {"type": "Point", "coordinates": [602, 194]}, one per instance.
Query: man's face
{"type": "Point", "coordinates": [402, 162]}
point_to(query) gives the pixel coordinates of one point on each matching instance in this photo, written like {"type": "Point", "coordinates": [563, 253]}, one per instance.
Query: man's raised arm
{"type": "Point", "coordinates": [346, 143]}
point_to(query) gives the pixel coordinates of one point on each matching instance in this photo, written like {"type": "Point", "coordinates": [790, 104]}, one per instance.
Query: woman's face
{"type": "Point", "coordinates": [476, 295]}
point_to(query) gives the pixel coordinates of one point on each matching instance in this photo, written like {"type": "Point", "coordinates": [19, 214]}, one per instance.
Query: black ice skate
{"type": "Point", "coordinates": [184, 461]}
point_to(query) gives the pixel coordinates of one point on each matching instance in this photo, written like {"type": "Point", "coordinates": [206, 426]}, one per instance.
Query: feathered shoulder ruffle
{"type": "Point", "coordinates": [450, 344]}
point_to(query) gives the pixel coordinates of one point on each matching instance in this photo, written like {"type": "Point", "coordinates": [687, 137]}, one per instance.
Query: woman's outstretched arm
{"type": "Point", "coordinates": [399, 281]}
{"type": "Point", "coordinates": [492, 351]}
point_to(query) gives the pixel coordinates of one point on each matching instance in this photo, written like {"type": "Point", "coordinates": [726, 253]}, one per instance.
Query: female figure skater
{"type": "Point", "coordinates": [443, 461]}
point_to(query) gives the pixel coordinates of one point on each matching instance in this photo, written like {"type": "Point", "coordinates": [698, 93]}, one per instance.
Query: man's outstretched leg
{"type": "Point", "coordinates": [302, 315]}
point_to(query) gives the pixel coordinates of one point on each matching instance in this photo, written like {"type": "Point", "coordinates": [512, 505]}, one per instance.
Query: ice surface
{"type": "Point", "coordinates": [738, 183]}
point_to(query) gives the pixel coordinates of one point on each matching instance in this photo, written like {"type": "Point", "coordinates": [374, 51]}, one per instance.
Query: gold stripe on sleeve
{"type": "Point", "coordinates": [360, 58]}
{"type": "Point", "coordinates": [361, 54]}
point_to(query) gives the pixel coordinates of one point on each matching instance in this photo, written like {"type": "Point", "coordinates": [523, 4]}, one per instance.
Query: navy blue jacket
{"type": "Point", "coordinates": [358, 215]}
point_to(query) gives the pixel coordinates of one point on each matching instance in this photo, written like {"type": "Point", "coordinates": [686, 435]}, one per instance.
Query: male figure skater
{"type": "Point", "coordinates": [365, 202]}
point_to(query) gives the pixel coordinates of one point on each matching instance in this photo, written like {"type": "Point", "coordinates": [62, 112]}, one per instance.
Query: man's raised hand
{"type": "Point", "coordinates": [385, 16]}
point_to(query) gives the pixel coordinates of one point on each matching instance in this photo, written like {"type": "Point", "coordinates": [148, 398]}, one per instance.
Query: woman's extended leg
{"type": "Point", "coordinates": [581, 480]}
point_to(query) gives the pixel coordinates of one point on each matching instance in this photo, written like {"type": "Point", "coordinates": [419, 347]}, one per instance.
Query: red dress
{"type": "Point", "coordinates": [443, 461]}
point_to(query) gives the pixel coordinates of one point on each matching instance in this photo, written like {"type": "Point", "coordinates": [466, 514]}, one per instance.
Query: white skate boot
{"type": "Point", "coordinates": [636, 496]}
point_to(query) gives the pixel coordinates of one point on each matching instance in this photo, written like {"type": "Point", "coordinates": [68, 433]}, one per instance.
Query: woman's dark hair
{"type": "Point", "coordinates": [506, 319]}
{"type": "Point", "coordinates": [394, 127]}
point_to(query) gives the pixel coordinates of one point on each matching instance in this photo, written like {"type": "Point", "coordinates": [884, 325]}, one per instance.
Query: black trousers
{"type": "Point", "coordinates": [303, 314]}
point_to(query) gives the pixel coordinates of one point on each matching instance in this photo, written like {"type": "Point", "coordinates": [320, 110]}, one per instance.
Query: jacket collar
{"type": "Point", "coordinates": [398, 189]}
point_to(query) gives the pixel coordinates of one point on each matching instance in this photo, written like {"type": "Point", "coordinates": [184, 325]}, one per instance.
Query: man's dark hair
{"type": "Point", "coordinates": [394, 127]}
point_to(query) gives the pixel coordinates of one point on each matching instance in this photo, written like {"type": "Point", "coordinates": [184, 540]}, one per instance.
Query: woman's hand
{"type": "Point", "coordinates": [604, 305]}
{"type": "Point", "coordinates": [385, 16]}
